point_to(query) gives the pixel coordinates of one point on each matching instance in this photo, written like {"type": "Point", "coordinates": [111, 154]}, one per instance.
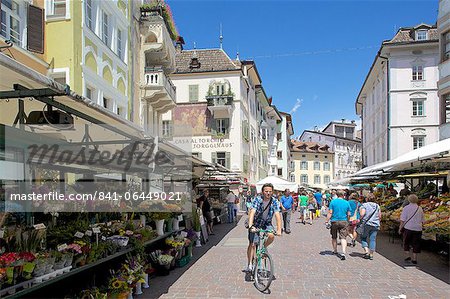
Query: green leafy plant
{"type": "Point", "coordinates": [196, 220]}
{"type": "Point", "coordinates": [166, 13]}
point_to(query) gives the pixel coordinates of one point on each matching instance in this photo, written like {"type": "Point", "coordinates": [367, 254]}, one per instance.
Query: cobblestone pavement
{"type": "Point", "coordinates": [304, 268]}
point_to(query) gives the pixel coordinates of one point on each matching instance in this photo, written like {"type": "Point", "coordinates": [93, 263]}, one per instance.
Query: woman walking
{"type": "Point", "coordinates": [312, 207]}
{"type": "Point", "coordinates": [411, 222]}
{"type": "Point", "coordinates": [354, 217]}
{"type": "Point", "coordinates": [370, 224]}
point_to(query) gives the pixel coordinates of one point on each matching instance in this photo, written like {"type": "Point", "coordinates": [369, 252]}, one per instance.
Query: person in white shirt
{"type": "Point", "coordinates": [411, 222]}
{"type": "Point", "coordinates": [231, 198]}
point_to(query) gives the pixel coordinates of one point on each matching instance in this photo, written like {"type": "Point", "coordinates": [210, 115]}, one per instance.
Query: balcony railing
{"type": "Point", "coordinates": [218, 101]}
{"type": "Point", "coordinates": [157, 78]}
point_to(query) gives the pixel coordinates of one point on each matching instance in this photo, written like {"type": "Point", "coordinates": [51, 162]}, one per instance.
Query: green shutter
{"type": "Point", "coordinates": [213, 157]}
{"type": "Point", "coordinates": [213, 126]}
{"type": "Point", "coordinates": [193, 93]}
{"type": "Point", "coordinates": [227, 160]}
{"type": "Point", "coordinates": [227, 125]}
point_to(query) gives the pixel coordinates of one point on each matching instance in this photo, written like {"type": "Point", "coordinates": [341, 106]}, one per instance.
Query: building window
{"type": "Point", "coordinates": [119, 110]}
{"type": "Point", "coordinates": [264, 134]}
{"type": "Point", "coordinates": [56, 8]}
{"type": "Point", "coordinates": [447, 107]}
{"type": "Point", "coordinates": [326, 179]}
{"type": "Point", "coordinates": [446, 46]}
{"type": "Point", "coordinates": [278, 136]}
{"type": "Point", "coordinates": [417, 72]}
{"type": "Point", "coordinates": [303, 156]}
{"type": "Point", "coordinates": [166, 132]}
{"type": "Point", "coordinates": [10, 21]}
{"type": "Point", "coordinates": [418, 108]}
{"type": "Point", "coordinates": [304, 179]}
{"type": "Point", "coordinates": [105, 33]}
{"type": "Point", "coordinates": [326, 166]}
{"type": "Point", "coordinates": [316, 156]}
{"type": "Point", "coordinates": [304, 165]}
{"type": "Point", "coordinates": [119, 44]}
{"type": "Point", "coordinates": [221, 158]}
{"type": "Point", "coordinates": [316, 165]}
{"type": "Point", "coordinates": [418, 141]}
{"type": "Point", "coordinates": [292, 177]}
{"type": "Point", "coordinates": [59, 77]}
{"type": "Point", "coordinates": [421, 35]}
{"type": "Point", "coordinates": [198, 155]}
{"type": "Point", "coordinates": [88, 15]}
{"type": "Point", "coordinates": [222, 125]}
{"type": "Point", "coordinates": [106, 103]}
{"type": "Point", "coordinates": [280, 155]}
{"type": "Point", "coordinates": [280, 171]}
{"type": "Point", "coordinates": [316, 179]}
{"type": "Point", "coordinates": [89, 93]}
{"type": "Point", "coordinates": [273, 170]}
{"type": "Point", "coordinates": [193, 93]}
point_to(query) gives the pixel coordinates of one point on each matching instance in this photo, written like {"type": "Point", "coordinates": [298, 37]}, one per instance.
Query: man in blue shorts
{"type": "Point", "coordinates": [339, 214]}
{"type": "Point", "coordinates": [260, 217]}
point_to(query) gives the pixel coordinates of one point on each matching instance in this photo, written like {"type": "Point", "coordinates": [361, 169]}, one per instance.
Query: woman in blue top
{"type": "Point", "coordinates": [354, 217]}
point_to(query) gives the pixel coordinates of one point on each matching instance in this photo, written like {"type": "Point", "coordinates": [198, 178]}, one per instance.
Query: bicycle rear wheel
{"type": "Point", "coordinates": [263, 272]}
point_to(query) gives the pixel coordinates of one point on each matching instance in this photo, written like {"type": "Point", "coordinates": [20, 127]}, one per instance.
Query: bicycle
{"type": "Point", "coordinates": [263, 269]}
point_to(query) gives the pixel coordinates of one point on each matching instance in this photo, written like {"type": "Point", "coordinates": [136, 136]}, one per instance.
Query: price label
{"type": "Point", "coordinates": [96, 230]}
{"type": "Point", "coordinates": [79, 235]}
{"type": "Point", "coordinates": [183, 234]}
{"type": "Point", "coordinates": [88, 233]}
{"type": "Point", "coordinates": [62, 247]}
{"type": "Point", "coordinates": [103, 238]}
{"type": "Point", "coordinates": [39, 226]}
{"type": "Point", "coordinates": [2, 233]}
{"type": "Point", "coordinates": [180, 218]}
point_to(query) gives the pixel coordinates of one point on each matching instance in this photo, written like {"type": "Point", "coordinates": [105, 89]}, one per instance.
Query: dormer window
{"type": "Point", "coordinates": [421, 35]}
{"type": "Point", "coordinates": [195, 64]}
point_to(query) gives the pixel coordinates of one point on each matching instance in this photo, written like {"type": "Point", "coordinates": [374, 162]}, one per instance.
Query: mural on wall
{"type": "Point", "coordinates": [197, 117]}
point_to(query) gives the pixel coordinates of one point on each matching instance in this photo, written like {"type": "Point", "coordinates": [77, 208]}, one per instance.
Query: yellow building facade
{"type": "Point", "coordinates": [313, 164]}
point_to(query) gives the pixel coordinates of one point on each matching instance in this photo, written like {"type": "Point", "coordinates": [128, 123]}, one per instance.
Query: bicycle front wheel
{"type": "Point", "coordinates": [263, 272]}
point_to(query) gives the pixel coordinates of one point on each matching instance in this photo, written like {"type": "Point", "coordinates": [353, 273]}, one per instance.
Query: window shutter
{"type": "Point", "coordinates": [214, 126]}
{"type": "Point", "coordinates": [226, 123]}
{"type": "Point", "coordinates": [213, 157]}
{"type": "Point", "coordinates": [227, 160]}
{"type": "Point", "coordinates": [35, 32]}
{"type": "Point", "coordinates": [193, 93]}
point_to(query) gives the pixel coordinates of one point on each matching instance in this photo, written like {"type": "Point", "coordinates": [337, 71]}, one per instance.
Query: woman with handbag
{"type": "Point", "coordinates": [369, 225]}
{"type": "Point", "coordinates": [411, 221]}
{"type": "Point", "coordinates": [354, 217]}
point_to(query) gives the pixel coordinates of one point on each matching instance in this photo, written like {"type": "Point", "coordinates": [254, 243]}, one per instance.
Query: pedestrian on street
{"type": "Point", "coordinates": [370, 219]}
{"type": "Point", "coordinates": [318, 197]}
{"type": "Point", "coordinates": [205, 205]}
{"type": "Point", "coordinates": [286, 204]}
{"type": "Point", "coordinates": [411, 223]}
{"type": "Point", "coordinates": [303, 206]}
{"type": "Point", "coordinates": [338, 215]}
{"type": "Point", "coordinates": [260, 217]}
{"type": "Point", "coordinates": [236, 207]}
{"type": "Point", "coordinates": [231, 198]}
{"type": "Point", "coordinates": [354, 217]}
{"type": "Point", "coordinates": [312, 207]}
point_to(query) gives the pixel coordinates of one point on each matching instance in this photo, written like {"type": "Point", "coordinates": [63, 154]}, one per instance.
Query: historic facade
{"type": "Point", "coordinates": [398, 102]}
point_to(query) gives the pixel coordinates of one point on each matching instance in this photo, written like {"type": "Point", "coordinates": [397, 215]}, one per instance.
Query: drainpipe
{"type": "Point", "coordinates": [388, 112]}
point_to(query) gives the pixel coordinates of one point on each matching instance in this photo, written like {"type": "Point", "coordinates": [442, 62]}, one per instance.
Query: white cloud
{"type": "Point", "coordinates": [296, 106]}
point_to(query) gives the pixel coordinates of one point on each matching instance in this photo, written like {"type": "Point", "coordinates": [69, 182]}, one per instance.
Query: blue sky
{"type": "Point", "coordinates": [311, 55]}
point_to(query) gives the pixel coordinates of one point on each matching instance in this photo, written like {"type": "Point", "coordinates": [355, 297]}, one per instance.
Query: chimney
{"type": "Point", "coordinates": [316, 129]}
{"type": "Point", "coordinates": [179, 44]}
{"type": "Point", "coordinates": [343, 120]}
{"type": "Point", "coordinates": [353, 122]}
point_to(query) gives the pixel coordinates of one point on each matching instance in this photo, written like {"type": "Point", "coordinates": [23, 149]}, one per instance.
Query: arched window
{"type": "Point", "coordinates": [151, 38]}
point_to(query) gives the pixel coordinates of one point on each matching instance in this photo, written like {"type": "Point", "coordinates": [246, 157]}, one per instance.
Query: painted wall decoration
{"type": "Point", "coordinates": [196, 116]}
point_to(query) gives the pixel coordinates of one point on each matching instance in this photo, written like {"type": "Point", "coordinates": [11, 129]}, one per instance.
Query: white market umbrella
{"type": "Point", "coordinates": [278, 184]}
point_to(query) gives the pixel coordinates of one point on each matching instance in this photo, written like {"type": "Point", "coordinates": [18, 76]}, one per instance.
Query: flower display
{"type": "Point", "coordinates": [165, 259]}
{"type": "Point", "coordinates": [8, 259]}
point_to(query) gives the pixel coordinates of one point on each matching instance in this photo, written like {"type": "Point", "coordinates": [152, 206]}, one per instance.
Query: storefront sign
{"type": "Point", "coordinates": [205, 142]}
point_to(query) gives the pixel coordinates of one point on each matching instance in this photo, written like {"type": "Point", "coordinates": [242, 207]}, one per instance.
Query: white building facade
{"type": "Point", "coordinates": [443, 26]}
{"type": "Point", "coordinates": [285, 130]}
{"type": "Point", "coordinates": [398, 102]}
{"type": "Point", "coordinates": [345, 146]}
{"type": "Point", "coordinates": [222, 107]}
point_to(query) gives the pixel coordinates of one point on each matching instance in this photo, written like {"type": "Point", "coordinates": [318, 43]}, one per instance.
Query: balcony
{"type": "Point", "coordinates": [158, 90]}
{"type": "Point", "coordinates": [157, 46]}
{"type": "Point", "coordinates": [220, 105]}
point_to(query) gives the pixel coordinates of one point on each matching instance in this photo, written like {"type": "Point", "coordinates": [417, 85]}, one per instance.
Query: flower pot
{"type": "Point", "coordinates": [175, 224]}
{"type": "Point", "coordinates": [143, 220]}
{"type": "Point", "coordinates": [169, 227]}
{"type": "Point", "coordinates": [130, 295]}
{"type": "Point", "coordinates": [145, 284]}
{"type": "Point", "coordinates": [138, 290]}
{"type": "Point", "coordinates": [68, 260]}
{"type": "Point", "coordinates": [28, 269]}
{"type": "Point", "coordinates": [189, 250]}
{"type": "Point", "coordinates": [198, 243]}
{"type": "Point", "coordinates": [59, 264]}
{"type": "Point", "coordinates": [49, 265]}
{"type": "Point", "coordinates": [160, 227]}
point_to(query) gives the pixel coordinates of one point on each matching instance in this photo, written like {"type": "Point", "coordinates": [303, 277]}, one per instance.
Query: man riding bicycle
{"type": "Point", "coordinates": [260, 217]}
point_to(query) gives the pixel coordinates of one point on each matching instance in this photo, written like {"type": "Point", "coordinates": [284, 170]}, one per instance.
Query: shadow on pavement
{"type": "Point", "coordinates": [327, 252]}
{"type": "Point", "coordinates": [357, 254]}
{"type": "Point", "coordinates": [428, 261]}
{"type": "Point", "coordinates": [160, 285]}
